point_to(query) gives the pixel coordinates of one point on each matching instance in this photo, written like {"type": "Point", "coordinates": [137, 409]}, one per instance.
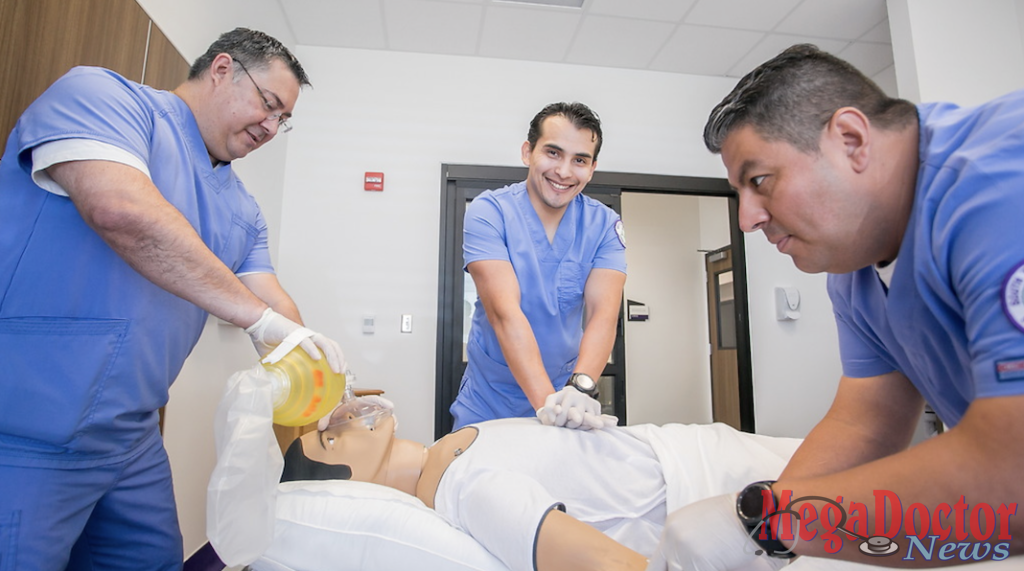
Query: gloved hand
{"type": "Point", "coordinates": [708, 536]}
{"type": "Point", "coordinates": [572, 409]}
{"type": "Point", "coordinates": [272, 328]}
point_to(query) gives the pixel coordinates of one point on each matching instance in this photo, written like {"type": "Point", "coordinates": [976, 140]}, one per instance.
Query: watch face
{"type": "Point", "coordinates": [750, 503]}
{"type": "Point", "coordinates": [583, 382]}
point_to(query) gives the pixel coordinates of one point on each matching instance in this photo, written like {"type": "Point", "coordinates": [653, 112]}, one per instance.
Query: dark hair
{"type": "Point", "coordinates": [578, 114]}
{"type": "Point", "coordinates": [792, 96]}
{"type": "Point", "coordinates": [254, 49]}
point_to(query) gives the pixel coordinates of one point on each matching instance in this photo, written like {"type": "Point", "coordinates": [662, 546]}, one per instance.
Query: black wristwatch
{"type": "Point", "coordinates": [584, 383]}
{"type": "Point", "coordinates": [750, 510]}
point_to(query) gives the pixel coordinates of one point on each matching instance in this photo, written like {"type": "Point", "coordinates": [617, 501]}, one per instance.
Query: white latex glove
{"type": "Point", "coordinates": [708, 536]}
{"type": "Point", "coordinates": [572, 409]}
{"type": "Point", "coordinates": [272, 328]}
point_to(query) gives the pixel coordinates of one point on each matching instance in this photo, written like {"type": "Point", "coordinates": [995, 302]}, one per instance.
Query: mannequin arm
{"type": "Point", "coordinates": [567, 544]}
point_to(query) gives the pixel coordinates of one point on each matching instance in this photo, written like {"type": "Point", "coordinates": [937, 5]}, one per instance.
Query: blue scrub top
{"type": "Point", "coordinates": [88, 346]}
{"type": "Point", "coordinates": [945, 321]}
{"type": "Point", "coordinates": [502, 225]}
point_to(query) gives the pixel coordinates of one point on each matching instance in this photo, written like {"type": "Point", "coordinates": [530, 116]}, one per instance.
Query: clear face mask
{"type": "Point", "coordinates": [357, 414]}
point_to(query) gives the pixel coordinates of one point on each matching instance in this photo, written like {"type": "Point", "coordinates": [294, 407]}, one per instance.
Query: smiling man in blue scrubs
{"type": "Point", "coordinates": [549, 266]}
{"type": "Point", "coordinates": [122, 225]}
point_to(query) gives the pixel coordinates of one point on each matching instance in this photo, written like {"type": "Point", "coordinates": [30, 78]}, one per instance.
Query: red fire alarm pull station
{"type": "Point", "coordinates": [374, 181]}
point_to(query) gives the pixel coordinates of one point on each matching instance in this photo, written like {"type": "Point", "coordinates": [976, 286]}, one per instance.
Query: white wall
{"type": "Point", "coordinates": [795, 363]}
{"type": "Point", "coordinates": [951, 50]}
{"type": "Point", "coordinates": [667, 364]}
{"type": "Point", "coordinates": [714, 223]}
{"type": "Point", "coordinates": [346, 252]}
{"type": "Point", "coordinates": [1019, 5]}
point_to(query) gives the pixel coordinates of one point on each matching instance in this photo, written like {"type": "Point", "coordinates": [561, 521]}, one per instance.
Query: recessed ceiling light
{"type": "Point", "coordinates": [562, 3]}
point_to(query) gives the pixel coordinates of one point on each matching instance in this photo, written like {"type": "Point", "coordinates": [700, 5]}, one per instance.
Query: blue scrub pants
{"type": "Point", "coordinates": [114, 517]}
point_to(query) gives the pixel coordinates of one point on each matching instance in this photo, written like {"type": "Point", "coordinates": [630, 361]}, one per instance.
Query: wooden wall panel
{"type": "Point", "coordinates": [165, 68]}
{"type": "Point", "coordinates": [107, 33]}
{"type": "Point", "coordinates": [40, 40]}
{"type": "Point", "coordinates": [7, 63]}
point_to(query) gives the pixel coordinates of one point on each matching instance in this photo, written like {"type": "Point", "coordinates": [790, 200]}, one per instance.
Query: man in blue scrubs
{"type": "Point", "coordinates": [915, 213]}
{"type": "Point", "coordinates": [122, 225]}
{"type": "Point", "coordinates": [549, 267]}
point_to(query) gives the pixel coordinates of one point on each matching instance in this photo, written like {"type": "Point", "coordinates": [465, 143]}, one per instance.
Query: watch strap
{"type": "Point", "coordinates": [573, 382]}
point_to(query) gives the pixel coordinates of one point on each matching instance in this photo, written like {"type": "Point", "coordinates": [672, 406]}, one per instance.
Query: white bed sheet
{"type": "Point", "coordinates": [357, 526]}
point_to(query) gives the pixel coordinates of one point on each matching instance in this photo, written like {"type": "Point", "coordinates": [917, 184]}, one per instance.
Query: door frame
{"type": "Point", "coordinates": [720, 411]}
{"type": "Point", "coordinates": [449, 365]}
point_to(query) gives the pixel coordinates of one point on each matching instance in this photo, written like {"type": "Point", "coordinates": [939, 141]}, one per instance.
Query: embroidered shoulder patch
{"type": "Point", "coordinates": [1010, 370]}
{"type": "Point", "coordinates": [1013, 303]}
{"type": "Point", "coordinates": [622, 233]}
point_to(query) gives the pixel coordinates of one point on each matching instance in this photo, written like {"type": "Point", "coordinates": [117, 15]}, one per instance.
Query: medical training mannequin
{"type": "Point", "coordinates": [537, 496]}
{"type": "Point", "coordinates": [374, 455]}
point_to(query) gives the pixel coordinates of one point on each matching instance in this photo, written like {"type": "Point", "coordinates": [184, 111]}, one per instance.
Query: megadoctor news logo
{"type": "Point", "coordinates": [927, 536]}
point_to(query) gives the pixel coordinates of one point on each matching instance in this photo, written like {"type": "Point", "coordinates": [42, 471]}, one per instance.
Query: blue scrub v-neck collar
{"type": "Point", "coordinates": [218, 176]}
{"type": "Point", "coordinates": [558, 247]}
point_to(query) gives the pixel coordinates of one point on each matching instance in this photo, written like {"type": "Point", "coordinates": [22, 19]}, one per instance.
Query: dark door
{"type": "Point", "coordinates": [461, 183]}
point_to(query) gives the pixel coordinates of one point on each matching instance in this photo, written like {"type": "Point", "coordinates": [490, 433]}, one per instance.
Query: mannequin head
{"type": "Point", "coordinates": [359, 444]}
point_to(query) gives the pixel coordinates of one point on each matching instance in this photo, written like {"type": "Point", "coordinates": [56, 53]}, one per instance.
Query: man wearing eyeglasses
{"type": "Point", "coordinates": [122, 225]}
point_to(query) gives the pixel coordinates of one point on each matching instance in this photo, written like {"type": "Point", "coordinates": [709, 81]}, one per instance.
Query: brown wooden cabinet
{"type": "Point", "coordinates": [40, 40]}
{"type": "Point", "coordinates": [165, 68]}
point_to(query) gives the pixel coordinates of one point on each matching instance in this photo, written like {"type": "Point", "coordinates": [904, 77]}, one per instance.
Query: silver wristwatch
{"type": "Point", "coordinates": [584, 383]}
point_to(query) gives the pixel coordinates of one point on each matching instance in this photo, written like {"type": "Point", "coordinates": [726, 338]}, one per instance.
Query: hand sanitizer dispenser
{"type": "Point", "coordinates": [787, 303]}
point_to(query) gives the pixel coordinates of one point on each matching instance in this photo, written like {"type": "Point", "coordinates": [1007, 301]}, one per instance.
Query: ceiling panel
{"type": "Point", "coordinates": [662, 10]}
{"type": "Point", "coordinates": [528, 34]}
{"type": "Point", "coordinates": [708, 37]}
{"type": "Point", "coordinates": [879, 33]}
{"type": "Point", "coordinates": [618, 42]}
{"type": "Point", "coordinates": [432, 27]}
{"type": "Point", "coordinates": [869, 58]}
{"type": "Point", "coordinates": [842, 19]}
{"type": "Point", "coordinates": [772, 44]}
{"type": "Point", "coordinates": [702, 50]}
{"type": "Point", "coordinates": [761, 15]}
{"type": "Point", "coordinates": [349, 24]}
{"type": "Point", "coordinates": [886, 79]}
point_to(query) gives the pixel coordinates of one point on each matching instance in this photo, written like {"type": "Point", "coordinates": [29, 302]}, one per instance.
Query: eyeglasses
{"type": "Point", "coordinates": [282, 121]}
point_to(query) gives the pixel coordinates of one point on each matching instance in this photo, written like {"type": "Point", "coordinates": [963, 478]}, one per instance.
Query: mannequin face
{"type": "Point", "coordinates": [371, 452]}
